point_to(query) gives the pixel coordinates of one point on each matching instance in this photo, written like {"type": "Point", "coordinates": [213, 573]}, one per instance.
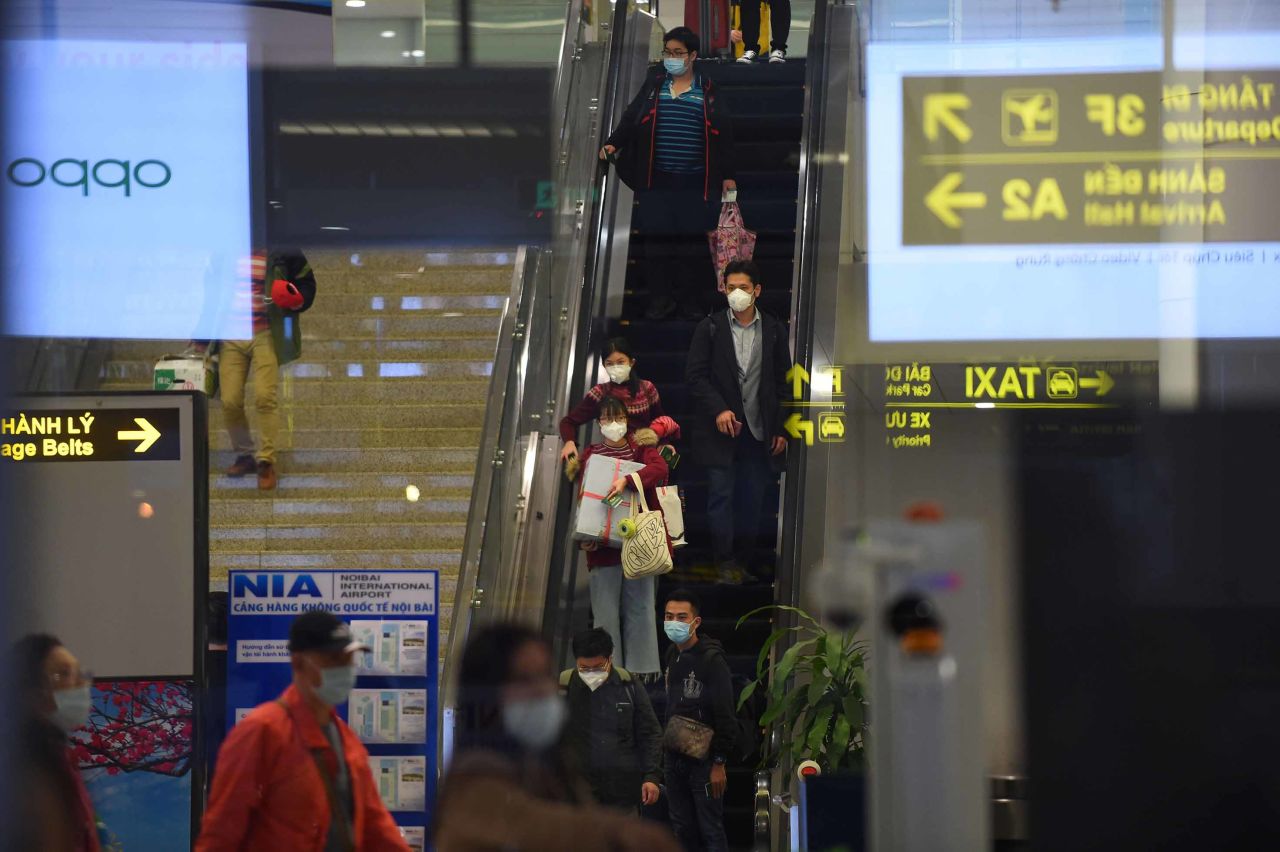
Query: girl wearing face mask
{"type": "Point", "coordinates": [509, 785]}
{"type": "Point", "coordinates": [625, 607]}
{"type": "Point", "coordinates": [639, 398]}
{"type": "Point", "coordinates": [55, 701]}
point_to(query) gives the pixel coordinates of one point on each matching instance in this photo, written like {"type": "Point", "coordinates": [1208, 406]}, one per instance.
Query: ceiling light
{"type": "Point", "coordinates": [406, 54]}
{"type": "Point", "coordinates": [418, 54]}
{"type": "Point", "coordinates": [355, 4]}
{"type": "Point", "coordinates": [388, 33]}
{"type": "Point", "coordinates": [334, 228]}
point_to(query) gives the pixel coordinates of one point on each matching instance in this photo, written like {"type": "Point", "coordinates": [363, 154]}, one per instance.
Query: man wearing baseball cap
{"type": "Point", "coordinates": [292, 775]}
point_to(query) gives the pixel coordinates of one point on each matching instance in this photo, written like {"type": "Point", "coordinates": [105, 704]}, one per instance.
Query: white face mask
{"type": "Point", "coordinates": [535, 723]}
{"type": "Point", "coordinates": [618, 373]}
{"type": "Point", "coordinates": [594, 680]}
{"type": "Point", "coordinates": [613, 431]}
{"type": "Point", "coordinates": [71, 708]}
{"type": "Point", "coordinates": [740, 300]}
{"type": "Point", "coordinates": [336, 684]}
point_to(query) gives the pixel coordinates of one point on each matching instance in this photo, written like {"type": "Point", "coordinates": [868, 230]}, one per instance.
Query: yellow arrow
{"type": "Point", "coordinates": [939, 112]}
{"type": "Point", "coordinates": [943, 199]}
{"type": "Point", "coordinates": [797, 427]}
{"type": "Point", "coordinates": [1103, 383]}
{"type": "Point", "coordinates": [799, 377]}
{"type": "Point", "coordinates": [148, 435]}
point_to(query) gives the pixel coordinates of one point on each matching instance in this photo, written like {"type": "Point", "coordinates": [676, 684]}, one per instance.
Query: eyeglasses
{"type": "Point", "coordinates": [66, 681]}
{"type": "Point", "coordinates": [677, 54]}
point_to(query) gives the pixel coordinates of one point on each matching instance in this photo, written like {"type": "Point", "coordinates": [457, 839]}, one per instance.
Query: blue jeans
{"type": "Point", "coordinates": [625, 608]}
{"type": "Point", "coordinates": [735, 498]}
{"type": "Point", "coordinates": [696, 816]}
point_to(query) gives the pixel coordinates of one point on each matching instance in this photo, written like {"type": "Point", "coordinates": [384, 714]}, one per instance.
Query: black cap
{"type": "Point", "coordinates": [322, 631]}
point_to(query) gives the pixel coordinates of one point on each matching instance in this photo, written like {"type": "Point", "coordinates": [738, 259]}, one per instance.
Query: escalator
{"type": "Point", "coordinates": [767, 103]}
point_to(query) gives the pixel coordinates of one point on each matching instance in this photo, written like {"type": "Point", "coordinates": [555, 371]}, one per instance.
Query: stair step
{"type": "Point", "coordinates": [334, 260]}
{"type": "Point", "coordinates": [431, 281]}
{"type": "Point", "coordinates": [478, 348]}
{"type": "Point", "coordinates": [293, 485]}
{"type": "Point", "coordinates": [401, 326]}
{"type": "Point", "coordinates": [350, 439]}
{"type": "Point", "coordinates": [730, 74]}
{"type": "Point", "coordinates": [345, 416]}
{"type": "Point", "coordinates": [329, 461]}
{"type": "Point", "coordinates": [445, 560]}
{"type": "Point", "coordinates": [274, 511]}
{"type": "Point", "coordinates": [139, 373]}
{"type": "Point", "coordinates": [360, 536]}
{"type": "Point", "coordinates": [387, 391]}
{"type": "Point", "coordinates": [363, 305]}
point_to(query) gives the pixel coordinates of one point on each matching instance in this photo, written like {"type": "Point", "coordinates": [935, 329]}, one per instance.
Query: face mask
{"type": "Point", "coordinates": [71, 708]}
{"type": "Point", "coordinates": [336, 684]}
{"type": "Point", "coordinates": [618, 373]}
{"type": "Point", "coordinates": [675, 67]}
{"type": "Point", "coordinates": [593, 680]}
{"type": "Point", "coordinates": [613, 431]}
{"type": "Point", "coordinates": [535, 723]}
{"type": "Point", "coordinates": [677, 631]}
{"type": "Point", "coordinates": [739, 300]}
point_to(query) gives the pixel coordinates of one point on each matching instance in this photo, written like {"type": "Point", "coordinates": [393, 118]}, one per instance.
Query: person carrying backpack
{"type": "Point", "coordinates": [702, 729]}
{"type": "Point", "coordinates": [613, 733]}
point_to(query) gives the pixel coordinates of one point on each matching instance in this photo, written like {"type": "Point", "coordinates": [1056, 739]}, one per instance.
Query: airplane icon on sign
{"type": "Point", "coordinates": [1029, 116]}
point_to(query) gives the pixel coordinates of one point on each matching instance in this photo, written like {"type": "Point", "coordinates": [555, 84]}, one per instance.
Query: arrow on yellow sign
{"type": "Point", "coordinates": [147, 434]}
{"type": "Point", "coordinates": [1103, 383]}
{"type": "Point", "coordinates": [799, 377]}
{"type": "Point", "coordinates": [797, 427]}
{"type": "Point", "coordinates": [940, 111]}
{"type": "Point", "coordinates": [943, 200]}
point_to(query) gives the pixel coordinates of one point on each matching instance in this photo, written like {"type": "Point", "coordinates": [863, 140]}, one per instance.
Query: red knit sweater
{"type": "Point", "coordinates": [642, 407]}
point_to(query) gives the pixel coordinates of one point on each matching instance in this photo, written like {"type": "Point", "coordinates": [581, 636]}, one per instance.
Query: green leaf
{"type": "Point", "coordinates": [854, 712]}
{"type": "Point", "coordinates": [763, 657]}
{"type": "Point", "coordinates": [786, 666]}
{"type": "Point", "coordinates": [780, 706]}
{"type": "Point", "coordinates": [804, 615]}
{"type": "Point", "coordinates": [747, 692]}
{"type": "Point", "coordinates": [836, 659]}
{"type": "Point", "coordinates": [839, 740]}
{"type": "Point", "coordinates": [818, 728]}
{"type": "Point", "coordinates": [818, 685]}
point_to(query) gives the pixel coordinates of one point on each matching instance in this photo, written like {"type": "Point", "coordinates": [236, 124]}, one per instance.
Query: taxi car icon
{"type": "Point", "coordinates": [1062, 383]}
{"type": "Point", "coordinates": [830, 426]}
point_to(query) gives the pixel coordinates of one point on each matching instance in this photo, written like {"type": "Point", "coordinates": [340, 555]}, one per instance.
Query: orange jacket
{"type": "Point", "coordinates": [268, 795]}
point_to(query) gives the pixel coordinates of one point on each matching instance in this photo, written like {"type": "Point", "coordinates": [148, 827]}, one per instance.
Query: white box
{"type": "Point", "coordinates": [183, 372]}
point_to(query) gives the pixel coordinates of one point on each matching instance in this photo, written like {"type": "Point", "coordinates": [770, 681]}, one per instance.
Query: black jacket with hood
{"type": "Point", "coordinates": [700, 687]}
{"type": "Point", "coordinates": [636, 135]}
{"type": "Point", "coordinates": [614, 736]}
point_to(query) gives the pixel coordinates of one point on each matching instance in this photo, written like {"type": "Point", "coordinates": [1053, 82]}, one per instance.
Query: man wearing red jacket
{"type": "Point", "coordinates": [292, 775]}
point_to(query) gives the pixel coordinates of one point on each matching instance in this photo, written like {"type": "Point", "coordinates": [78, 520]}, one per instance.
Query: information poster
{"type": "Point", "coordinates": [393, 708]}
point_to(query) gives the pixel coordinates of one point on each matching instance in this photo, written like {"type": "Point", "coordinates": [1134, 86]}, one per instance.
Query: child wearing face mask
{"type": "Point", "coordinates": [639, 398]}
{"type": "Point", "coordinates": [625, 607]}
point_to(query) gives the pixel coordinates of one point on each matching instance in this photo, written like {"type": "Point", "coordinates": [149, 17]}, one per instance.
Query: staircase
{"type": "Point", "coordinates": [389, 393]}
{"type": "Point", "coordinates": [767, 103]}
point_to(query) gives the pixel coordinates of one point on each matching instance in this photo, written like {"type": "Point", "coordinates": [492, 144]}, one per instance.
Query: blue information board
{"type": "Point", "coordinates": [393, 709]}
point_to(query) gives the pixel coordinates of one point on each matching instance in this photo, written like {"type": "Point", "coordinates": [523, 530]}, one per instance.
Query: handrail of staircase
{"type": "Point", "coordinates": [806, 280]}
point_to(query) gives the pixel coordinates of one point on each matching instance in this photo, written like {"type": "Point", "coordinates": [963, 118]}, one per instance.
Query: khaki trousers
{"type": "Point", "coordinates": [241, 360]}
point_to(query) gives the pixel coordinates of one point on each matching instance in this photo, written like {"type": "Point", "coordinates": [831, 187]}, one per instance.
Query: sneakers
{"type": "Point", "coordinates": [242, 466]}
{"type": "Point", "coordinates": [776, 56]}
{"type": "Point", "coordinates": [266, 476]}
{"type": "Point", "coordinates": [747, 57]}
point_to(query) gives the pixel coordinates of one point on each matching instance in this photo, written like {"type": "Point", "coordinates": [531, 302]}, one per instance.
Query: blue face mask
{"type": "Point", "coordinates": [675, 67]}
{"type": "Point", "coordinates": [678, 631]}
{"type": "Point", "coordinates": [336, 684]}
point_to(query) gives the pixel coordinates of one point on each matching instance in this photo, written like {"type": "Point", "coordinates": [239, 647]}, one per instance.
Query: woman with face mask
{"type": "Point", "coordinates": [639, 398]}
{"type": "Point", "coordinates": [625, 608]}
{"type": "Point", "coordinates": [55, 700]}
{"type": "Point", "coordinates": [509, 785]}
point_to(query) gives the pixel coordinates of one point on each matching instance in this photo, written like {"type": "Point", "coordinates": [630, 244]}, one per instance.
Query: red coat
{"type": "Point", "coordinates": [268, 795]}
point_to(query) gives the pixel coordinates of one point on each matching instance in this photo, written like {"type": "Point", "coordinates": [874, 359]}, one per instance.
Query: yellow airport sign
{"type": "Point", "coordinates": [102, 434]}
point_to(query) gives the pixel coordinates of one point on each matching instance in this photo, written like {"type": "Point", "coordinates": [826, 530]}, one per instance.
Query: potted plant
{"type": "Point", "coordinates": [816, 691]}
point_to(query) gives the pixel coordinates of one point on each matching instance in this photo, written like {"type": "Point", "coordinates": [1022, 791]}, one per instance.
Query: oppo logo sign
{"type": "Point", "coordinates": [108, 174]}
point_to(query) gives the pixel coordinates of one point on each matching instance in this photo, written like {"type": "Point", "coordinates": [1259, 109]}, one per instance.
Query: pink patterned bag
{"type": "Point", "coordinates": [730, 241]}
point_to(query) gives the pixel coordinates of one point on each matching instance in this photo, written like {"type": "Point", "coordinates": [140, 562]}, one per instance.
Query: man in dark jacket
{"type": "Point", "coordinates": [674, 147]}
{"type": "Point", "coordinates": [737, 376]}
{"type": "Point", "coordinates": [699, 688]}
{"type": "Point", "coordinates": [612, 732]}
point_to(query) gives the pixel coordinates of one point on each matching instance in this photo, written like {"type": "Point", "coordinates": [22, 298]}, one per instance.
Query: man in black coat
{"type": "Point", "coordinates": [612, 733]}
{"type": "Point", "coordinates": [737, 376]}
{"type": "Point", "coordinates": [674, 147]}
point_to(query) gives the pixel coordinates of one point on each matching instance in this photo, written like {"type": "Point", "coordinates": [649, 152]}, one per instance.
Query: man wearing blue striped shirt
{"type": "Point", "coordinates": [674, 147]}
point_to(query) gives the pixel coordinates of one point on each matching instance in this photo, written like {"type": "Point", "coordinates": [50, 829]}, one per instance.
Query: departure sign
{"type": "Point", "coordinates": [103, 434]}
{"type": "Point", "coordinates": [1141, 157]}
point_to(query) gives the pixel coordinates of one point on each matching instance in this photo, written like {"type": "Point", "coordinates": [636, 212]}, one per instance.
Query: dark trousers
{"type": "Point", "coordinates": [697, 817]}
{"type": "Point", "coordinates": [735, 498]}
{"type": "Point", "coordinates": [779, 24]}
{"type": "Point", "coordinates": [673, 220]}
